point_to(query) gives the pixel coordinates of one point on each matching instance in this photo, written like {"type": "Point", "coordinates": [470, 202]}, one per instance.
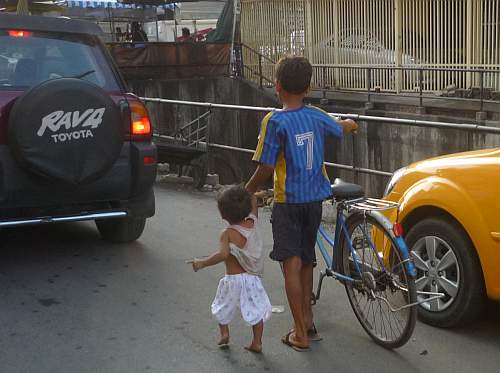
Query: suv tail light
{"type": "Point", "coordinates": [140, 125]}
{"type": "Point", "coordinates": [20, 34]}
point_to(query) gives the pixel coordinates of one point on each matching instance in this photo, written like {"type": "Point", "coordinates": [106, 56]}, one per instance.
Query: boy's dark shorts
{"type": "Point", "coordinates": [295, 227]}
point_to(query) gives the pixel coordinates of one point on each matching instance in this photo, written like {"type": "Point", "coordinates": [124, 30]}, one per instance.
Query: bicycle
{"type": "Point", "coordinates": [371, 259]}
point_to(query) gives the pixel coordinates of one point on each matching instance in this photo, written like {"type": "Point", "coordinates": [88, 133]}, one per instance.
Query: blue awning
{"type": "Point", "coordinates": [111, 4]}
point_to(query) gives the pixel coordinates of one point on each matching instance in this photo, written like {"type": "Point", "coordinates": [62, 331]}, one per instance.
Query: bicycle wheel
{"type": "Point", "coordinates": [382, 286]}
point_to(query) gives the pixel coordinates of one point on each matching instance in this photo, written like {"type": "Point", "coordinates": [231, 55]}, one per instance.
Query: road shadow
{"type": "Point", "coordinates": [32, 242]}
{"type": "Point", "coordinates": [49, 258]}
{"type": "Point", "coordinates": [487, 328]}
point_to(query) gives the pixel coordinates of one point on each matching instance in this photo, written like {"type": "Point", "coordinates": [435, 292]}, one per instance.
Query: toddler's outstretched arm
{"type": "Point", "coordinates": [217, 257]}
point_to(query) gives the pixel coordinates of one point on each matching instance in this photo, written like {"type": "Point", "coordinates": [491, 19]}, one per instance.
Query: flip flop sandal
{"type": "Point", "coordinates": [313, 334]}
{"type": "Point", "coordinates": [286, 340]}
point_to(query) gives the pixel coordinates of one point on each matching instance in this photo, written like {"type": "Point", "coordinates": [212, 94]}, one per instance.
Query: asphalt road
{"type": "Point", "coordinates": [72, 303]}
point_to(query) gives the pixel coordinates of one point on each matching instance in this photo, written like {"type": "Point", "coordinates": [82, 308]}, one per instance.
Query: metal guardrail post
{"type": "Point", "coordinates": [260, 72]}
{"type": "Point", "coordinates": [355, 162]}
{"type": "Point", "coordinates": [241, 62]}
{"type": "Point", "coordinates": [481, 90]}
{"type": "Point", "coordinates": [369, 81]}
{"type": "Point", "coordinates": [207, 141]}
{"type": "Point", "coordinates": [420, 87]}
{"type": "Point", "coordinates": [324, 81]}
{"type": "Point", "coordinates": [198, 127]}
{"type": "Point", "coordinates": [369, 104]}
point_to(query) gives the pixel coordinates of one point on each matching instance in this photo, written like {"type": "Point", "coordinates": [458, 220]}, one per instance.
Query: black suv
{"type": "Point", "coordinates": [73, 144]}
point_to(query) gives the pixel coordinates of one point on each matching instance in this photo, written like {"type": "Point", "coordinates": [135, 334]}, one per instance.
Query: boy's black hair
{"type": "Point", "coordinates": [294, 73]}
{"type": "Point", "coordinates": [234, 203]}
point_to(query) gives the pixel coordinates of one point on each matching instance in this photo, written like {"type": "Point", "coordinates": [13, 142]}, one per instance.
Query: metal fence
{"type": "Point", "coordinates": [450, 36]}
{"type": "Point", "coordinates": [365, 118]}
{"type": "Point", "coordinates": [367, 78]}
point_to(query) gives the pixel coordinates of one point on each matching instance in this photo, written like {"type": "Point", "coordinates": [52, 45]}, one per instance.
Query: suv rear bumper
{"type": "Point", "coordinates": [139, 208]}
{"type": "Point", "coordinates": [61, 219]}
{"type": "Point", "coordinates": [126, 189]}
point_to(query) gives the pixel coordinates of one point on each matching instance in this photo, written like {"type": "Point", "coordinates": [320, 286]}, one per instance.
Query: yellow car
{"type": "Point", "coordinates": [450, 212]}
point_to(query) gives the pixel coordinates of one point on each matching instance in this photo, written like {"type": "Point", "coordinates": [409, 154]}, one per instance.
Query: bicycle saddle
{"type": "Point", "coordinates": [342, 190]}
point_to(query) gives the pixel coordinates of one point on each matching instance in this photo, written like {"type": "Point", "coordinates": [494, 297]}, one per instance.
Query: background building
{"type": "Point", "coordinates": [381, 33]}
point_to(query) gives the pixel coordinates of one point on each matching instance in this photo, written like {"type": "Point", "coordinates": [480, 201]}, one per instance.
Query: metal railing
{"type": "Point", "coordinates": [437, 33]}
{"type": "Point", "coordinates": [381, 120]}
{"type": "Point", "coordinates": [421, 78]}
{"type": "Point", "coordinates": [260, 69]}
{"type": "Point", "coordinates": [262, 73]}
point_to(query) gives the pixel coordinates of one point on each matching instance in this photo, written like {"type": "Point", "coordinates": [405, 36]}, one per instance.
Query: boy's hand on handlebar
{"type": "Point", "coordinates": [350, 126]}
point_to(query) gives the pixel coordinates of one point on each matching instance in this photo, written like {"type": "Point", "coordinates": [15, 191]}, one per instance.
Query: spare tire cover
{"type": "Point", "coordinates": [66, 129]}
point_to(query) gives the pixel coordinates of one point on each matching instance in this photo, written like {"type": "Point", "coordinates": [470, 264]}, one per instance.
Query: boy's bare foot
{"type": "Point", "coordinates": [254, 347]}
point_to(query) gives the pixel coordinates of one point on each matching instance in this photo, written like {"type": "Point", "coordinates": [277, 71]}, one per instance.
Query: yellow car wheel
{"type": "Point", "coordinates": [447, 263]}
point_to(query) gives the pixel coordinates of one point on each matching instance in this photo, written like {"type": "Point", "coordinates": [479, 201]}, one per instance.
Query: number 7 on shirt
{"type": "Point", "coordinates": [308, 138]}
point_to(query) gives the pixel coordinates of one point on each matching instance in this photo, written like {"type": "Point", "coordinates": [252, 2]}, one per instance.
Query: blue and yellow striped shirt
{"type": "Point", "coordinates": [293, 142]}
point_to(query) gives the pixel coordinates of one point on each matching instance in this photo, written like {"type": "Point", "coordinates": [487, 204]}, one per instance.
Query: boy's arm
{"type": "Point", "coordinates": [216, 258]}
{"type": "Point", "coordinates": [266, 153]}
{"type": "Point", "coordinates": [260, 176]}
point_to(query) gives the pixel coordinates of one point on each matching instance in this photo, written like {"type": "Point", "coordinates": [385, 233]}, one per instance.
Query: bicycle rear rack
{"type": "Point", "coordinates": [370, 204]}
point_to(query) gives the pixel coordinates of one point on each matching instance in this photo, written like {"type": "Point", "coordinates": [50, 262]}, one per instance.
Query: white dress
{"type": "Point", "coordinates": [244, 291]}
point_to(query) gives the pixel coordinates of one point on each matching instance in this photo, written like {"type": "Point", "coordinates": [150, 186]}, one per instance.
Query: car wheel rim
{"type": "Point", "coordinates": [437, 271]}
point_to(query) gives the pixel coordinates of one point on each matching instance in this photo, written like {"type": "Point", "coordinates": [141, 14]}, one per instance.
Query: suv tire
{"type": "Point", "coordinates": [465, 269]}
{"type": "Point", "coordinates": [122, 230]}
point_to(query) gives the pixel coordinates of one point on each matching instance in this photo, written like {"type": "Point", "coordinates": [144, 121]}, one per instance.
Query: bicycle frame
{"type": "Point", "coordinates": [341, 228]}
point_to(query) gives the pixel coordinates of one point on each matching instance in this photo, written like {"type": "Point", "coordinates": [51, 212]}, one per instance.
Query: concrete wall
{"type": "Point", "coordinates": [388, 147]}
{"type": "Point", "coordinates": [236, 128]}
{"type": "Point", "coordinates": [378, 145]}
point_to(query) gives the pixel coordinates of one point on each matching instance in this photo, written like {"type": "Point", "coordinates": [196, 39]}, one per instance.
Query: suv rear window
{"type": "Point", "coordinates": [29, 58]}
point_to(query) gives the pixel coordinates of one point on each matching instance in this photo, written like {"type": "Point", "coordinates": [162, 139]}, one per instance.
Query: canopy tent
{"type": "Point", "coordinates": [224, 29]}
{"type": "Point", "coordinates": [113, 12]}
{"type": "Point", "coordinates": [114, 4]}
{"type": "Point", "coordinates": [31, 6]}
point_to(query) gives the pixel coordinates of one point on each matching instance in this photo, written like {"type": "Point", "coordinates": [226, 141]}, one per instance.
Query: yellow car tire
{"type": "Point", "coordinates": [466, 299]}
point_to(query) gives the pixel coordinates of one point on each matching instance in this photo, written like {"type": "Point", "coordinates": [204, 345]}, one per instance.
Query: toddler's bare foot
{"type": "Point", "coordinates": [254, 347]}
{"type": "Point", "coordinates": [223, 342]}
{"type": "Point", "coordinates": [224, 336]}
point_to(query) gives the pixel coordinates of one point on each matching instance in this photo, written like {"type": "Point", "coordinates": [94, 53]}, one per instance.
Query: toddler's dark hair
{"type": "Point", "coordinates": [234, 203]}
{"type": "Point", "coordinates": [294, 74]}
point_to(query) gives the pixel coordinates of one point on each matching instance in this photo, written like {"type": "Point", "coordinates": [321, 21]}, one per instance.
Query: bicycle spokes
{"type": "Point", "coordinates": [379, 293]}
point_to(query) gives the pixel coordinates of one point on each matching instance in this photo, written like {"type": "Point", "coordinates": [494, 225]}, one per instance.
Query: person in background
{"type": "Point", "coordinates": [138, 34]}
{"type": "Point", "coordinates": [186, 33]}
{"type": "Point", "coordinates": [119, 34]}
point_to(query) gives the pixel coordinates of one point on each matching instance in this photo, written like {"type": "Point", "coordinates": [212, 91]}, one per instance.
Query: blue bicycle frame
{"type": "Point", "coordinates": [341, 228]}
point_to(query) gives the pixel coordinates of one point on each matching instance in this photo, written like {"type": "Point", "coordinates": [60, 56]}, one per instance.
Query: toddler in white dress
{"type": "Point", "coordinates": [241, 250]}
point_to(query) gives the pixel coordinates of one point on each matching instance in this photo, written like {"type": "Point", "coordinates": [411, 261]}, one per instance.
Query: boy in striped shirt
{"type": "Point", "coordinates": [291, 146]}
